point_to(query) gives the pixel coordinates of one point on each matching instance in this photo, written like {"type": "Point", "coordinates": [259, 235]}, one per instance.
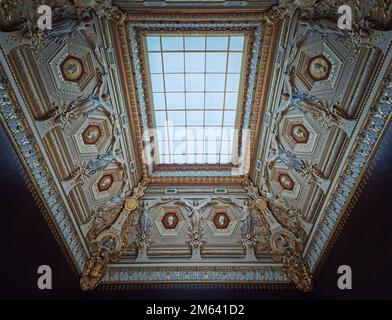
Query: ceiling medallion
{"type": "Point", "coordinates": [286, 182]}
{"type": "Point", "coordinates": [221, 220]}
{"type": "Point", "coordinates": [261, 204]}
{"type": "Point", "coordinates": [170, 220]}
{"type": "Point", "coordinates": [299, 133]}
{"type": "Point", "coordinates": [72, 68]}
{"type": "Point", "coordinates": [319, 68]}
{"type": "Point", "coordinates": [131, 204]}
{"type": "Point", "coordinates": [91, 134]}
{"type": "Point", "coordinates": [105, 182]}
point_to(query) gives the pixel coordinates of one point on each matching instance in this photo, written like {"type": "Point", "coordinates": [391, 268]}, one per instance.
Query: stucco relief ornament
{"type": "Point", "coordinates": [81, 174]}
{"type": "Point", "coordinates": [99, 99]}
{"type": "Point", "coordinates": [102, 8]}
{"type": "Point", "coordinates": [195, 209]}
{"type": "Point", "coordinates": [103, 217]}
{"type": "Point", "coordinates": [289, 7]}
{"type": "Point", "coordinates": [144, 224]}
{"type": "Point", "coordinates": [294, 266]}
{"type": "Point", "coordinates": [59, 117]}
{"type": "Point", "coordinates": [328, 115]}
{"type": "Point", "coordinates": [82, 107]}
{"type": "Point", "coordinates": [368, 34]}
{"type": "Point", "coordinates": [107, 246]}
{"type": "Point", "coordinates": [66, 24]}
{"type": "Point", "coordinates": [310, 172]}
{"type": "Point", "coordinates": [247, 225]}
{"type": "Point", "coordinates": [93, 273]}
{"type": "Point", "coordinates": [286, 247]}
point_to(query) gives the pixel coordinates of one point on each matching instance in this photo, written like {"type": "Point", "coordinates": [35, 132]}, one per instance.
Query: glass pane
{"type": "Point", "coordinates": [195, 133]}
{"type": "Point", "coordinates": [212, 147]}
{"type": "Point", "coordinates": [231, 100]}
{"type": "Point", "coordinates": [161, 133]}
{"type": "Point", "coordinates": [173, 62]}
{"type": "Point", "coordinates": [174, 82]}
{"type": "Point", "coordinates": [177, 158]}
{"type": "Point", "coordinates": [157, 83]}
{"type": "Point", "coordinates": [226, 147]}
{"type": "Point", "coordinates": [158, 101]}
{"type": "Point", "coordinates": [179, 134]}
{"type": "Point", "coordinates": [195, 82]}
{"type": "Point", "coordinates": [175, 100]}
{"type": "Point", "coordinates": [176, 117]}
{"type": "Point", "coordinates": [194, 62]}
{"type": "Point", "coordinates": [213, 158]}
{"type": "Point", "coordinates": [215, 82]}
{"type": "Point", "coordinates": [227, 133]}
{"type": "Point", "coordinates": [166, 159]}
{"type": "Point", "coordinates": [172, 43]}
{"type": "Point", "coordinates": [233, 82]}
{"type": "Point", "coordinates": [216, 62]}
{"type": "Point", "coordinates": [217, 43]}
{"type": "Point", "coordinates": [160, 118]}
{"type": "Point", "coordinates": [199, 147]}
{"type": "Point", "coordinates": [235, 62]}
{"type": "Point", "coordinates": [190, 158]}
{"type": "Point", "coordinates": [214, 100]}
{"type": "Point", "coordinates": [229, 118]}
{"type": "Point", "coordinates": [195, 118]}
{"type": "Point", "coordinates": [191, 147]}
{"type": "Point", "coordinates": [163, 147]}
{"type": "Point", "coordinates": [213, 133]}
{"type": "Point", "coordinates": [155, 62]}
{"type": "Point", "coordinates": [237, 43]}
{"type": "Point", "coordinates": [153, 43]}
{"type": "Point", "coordinates": [179, 147]}
{"type": "Point", "coordinates": [195, 43]}
{"type": "Point", "coordinates": [213, 118]}
{"type": "Point", "coordinates": [224, 158]}
{"type": "Point", "coordinates": [200, 158]}
{"type": "Point", "coordinates": [195, 100]}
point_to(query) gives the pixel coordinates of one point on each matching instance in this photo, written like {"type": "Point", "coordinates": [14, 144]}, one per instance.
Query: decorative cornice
{"type": "Point", "coordinates": [377, 121]}
{"type": "Point", "coordinates": [30, 155]}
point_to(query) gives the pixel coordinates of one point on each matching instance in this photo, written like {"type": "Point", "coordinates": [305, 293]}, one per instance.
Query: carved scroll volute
{"type": "Point", "coordinates": [107, 246]}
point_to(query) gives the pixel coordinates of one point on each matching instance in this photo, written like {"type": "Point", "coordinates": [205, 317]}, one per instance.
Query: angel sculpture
{"type": "Point", "coordinates": [97, 100]}
{"type": "Point", "coordinates": [66, 24]}
{"type": "Point", "coordinates": [305, 102]}
{"type": "Point", "coordinates": [195, 209]}
{"type": "Point", "coordinates": [103, 160]}
{"type": "Point", "coordinates": [323, 25]}
{"type": "Point", "coordinates": [292, 98]}
{"type": "Point", "coordinates": [288, 158]}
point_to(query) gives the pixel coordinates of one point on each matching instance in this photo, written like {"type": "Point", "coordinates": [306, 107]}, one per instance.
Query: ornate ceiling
{"type": "Point", "coordinates": [75, 104]}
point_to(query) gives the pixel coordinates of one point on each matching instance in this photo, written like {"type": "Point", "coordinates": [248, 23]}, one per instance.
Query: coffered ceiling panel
{"type": "Point", "coordinates": [305, 104]}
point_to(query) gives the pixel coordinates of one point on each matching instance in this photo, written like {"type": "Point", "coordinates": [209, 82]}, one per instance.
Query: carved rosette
{"type": "Point", "coordinates": [107, 246]}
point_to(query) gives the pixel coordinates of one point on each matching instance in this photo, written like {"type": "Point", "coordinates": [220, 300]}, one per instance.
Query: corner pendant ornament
{"type": "Point", "coordinates": [286, 246]}
{"type": "Point", "coordinates": [107, 246]}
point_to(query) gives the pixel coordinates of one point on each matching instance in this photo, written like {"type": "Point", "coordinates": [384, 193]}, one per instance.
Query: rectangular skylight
{"type": "Point", "coordinates": [195, 82]}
